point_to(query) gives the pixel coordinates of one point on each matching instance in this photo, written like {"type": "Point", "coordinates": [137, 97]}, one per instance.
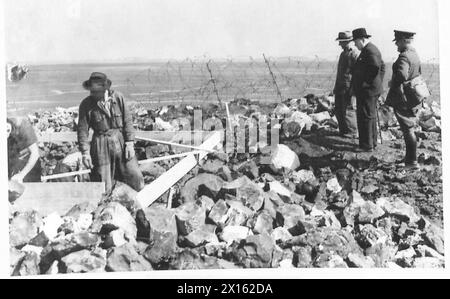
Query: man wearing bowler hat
{"type": "Point", "coordinates": [110, 154]}
{"type": "Point", "coordinates": [367, 80]}
{"type": "Point", "coordinates": [406, 67]}
{"type": "Point", "coordinates": [344, 108]}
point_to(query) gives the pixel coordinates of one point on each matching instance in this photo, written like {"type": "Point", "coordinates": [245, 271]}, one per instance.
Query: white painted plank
{"type": "Point", "coordinates": [158, 187]}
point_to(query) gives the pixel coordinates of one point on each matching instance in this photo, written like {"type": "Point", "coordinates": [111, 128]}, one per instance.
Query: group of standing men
{"type": "Point", "coordinates": [361, 76]}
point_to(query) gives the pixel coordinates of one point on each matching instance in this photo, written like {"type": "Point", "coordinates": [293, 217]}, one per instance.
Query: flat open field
{"type": "Point", "coordinates": [188, 81]}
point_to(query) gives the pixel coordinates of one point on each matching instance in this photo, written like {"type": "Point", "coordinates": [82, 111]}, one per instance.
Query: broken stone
{"type": "Point", "coordinates": [114, 216]}
{"type": "Point", "coordinates": [405, 258]}
{"type": "Point", "coordinates": [51, 224]}
{"type": "Point", "coordinates": [218, 213]}
{"type": "Point", "coordinates": [426, 251]}
{"type": "Point", "coordinates": [151, 169]}
{"type": "Point", "coordinates": [330, 261]}
{"type": "Point", "coordinates": [125, 195]}
{"type": "Point", "coordinates": [270, 207]}
{"type": "Point", "coordinates": [203, 235]}
{"type": "Point", "coordinates": [360, 261]}
{"type": "Point", "coordinates": [264, 224]}
{"type": "Point", "coordinates": [333, 185]}
{"type": "Point", "coordinates": [284, 157]}
{"type": "Point", "coordinates": [163, 234]}
{"type": "Point", "coordinates": [303, 176]}
{"type": "Point", "coordinates": [15, 190]}
{"type": "Point", "coordinates": [281, 234]}
{"type": "Point", "coordinates": [29, 265]}
{"type": "Point", "coordinates": [234, 233]}
{"type": "Point", "coordinates": [289, 216]}
{"type": "Point", "coordinates": [368, 236]}
{"type": "Point", "coordinates": [256, 251]}
{"type": "Point", "coordinates": [237, 214]}
{"type": "Point", "coordinates": [116, 238]}
{"type": "Point", "coordinates": [434, 237]}
{"type": "Point", "coordinates": [207, 203]}
{"type": "Point", "coordinates": [279, 189]}
{"type": "Point", "coordinates": [40, 240]}
{"type": "Point", "coordinates": [23, 228]}
{"type": "Point", "coordinates": [125, 259]}
{"type": "Point", "coordinates": [329, 220]}
{"type": "Point", "coordinates": [190, 216]}
{"type": "Point", "coordinates": [251, 195]}
{"type": "Point", "coordinates": [202, 184]}
{"type": "Point", "coordinates": [15, 259]}
{"type": "Point", "coordinates": [30, 248]}
{"type": "Point", "coordinates": [85, 261]}
{"type": "Point", "coordinates": [302, 256]}
{"type": "Point", "coordinates": [399, 208]}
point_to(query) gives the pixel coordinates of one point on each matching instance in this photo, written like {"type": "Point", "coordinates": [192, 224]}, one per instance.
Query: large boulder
{"type": "Point", "coordinates": [85, 261]}
{"type": "Point", "coordinates": [24, 227]}
{"type": "Point", "coordinates": [125, 259]}
{"type": "Point", "coordinates": [202, 184]}
{"type": "Point", "coordinates": [163, 234]}
{"type": "Point", "coordinates": [290, 216]}
{"type": "Point", "coordinates": [284, 157]}
{"type": "Point", "coordinates": [255, 251]}
{"type": "Point", "coordinates": [125, 195]}
{"type": "Point", "coordinates": [113, 216]}
{"type": "Point", "coordinates": [397, 207]}
{"type": "Point", "coordinates": [248, 192]}
{"type": "Point", "coordinates": [263, 224]}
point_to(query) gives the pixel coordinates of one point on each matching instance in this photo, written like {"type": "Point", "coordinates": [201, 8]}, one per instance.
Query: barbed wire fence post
{"type": "Point", "coordinates": [273, 78]}
{"type": "Point", "coordinates": [214, 83]}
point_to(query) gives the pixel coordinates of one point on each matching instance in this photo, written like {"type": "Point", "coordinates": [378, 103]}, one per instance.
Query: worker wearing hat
{"type": "Point", "coordinates": [406, 67]}
{"type": "Point", "coordinates": [110, 154]}
{"type": "Point", "coordinates": [344, 108]}
{"type": "Point", "coordinates": [367, 80]}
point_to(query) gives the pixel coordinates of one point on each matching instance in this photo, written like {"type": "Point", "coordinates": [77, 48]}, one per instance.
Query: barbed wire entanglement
{"type": "Point", "coordinates": [202, 79]}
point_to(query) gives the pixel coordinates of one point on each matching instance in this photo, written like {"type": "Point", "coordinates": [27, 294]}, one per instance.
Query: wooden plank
{"type": "Point", "coordinates": [162, 158]}
{"type": "Point", "coordinates": [47, 198]}
{"type": "Point", "coordinates": [158, 187]}
{"type": "Point", "coordinates": [64, 175]}
{"type": "Point", "coordinates": [186, 136]}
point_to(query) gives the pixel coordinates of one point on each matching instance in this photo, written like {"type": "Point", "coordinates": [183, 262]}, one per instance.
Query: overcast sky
{"type": "Point", "coordinates": [42, 31]}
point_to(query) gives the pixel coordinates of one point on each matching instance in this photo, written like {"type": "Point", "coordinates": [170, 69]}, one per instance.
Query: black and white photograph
{"type": "Point", "coordinates": [222, 135]}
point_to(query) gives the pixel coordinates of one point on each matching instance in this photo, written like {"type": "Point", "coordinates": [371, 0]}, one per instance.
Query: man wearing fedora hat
{"type": "Point", "coordinates": [367, 84]}
{"type": "Point", "coordinates": [110, 154]}
{"type": "Point", "coordinates": [406, 67]}
{"type": "Point", "coordinates": [344, 108]}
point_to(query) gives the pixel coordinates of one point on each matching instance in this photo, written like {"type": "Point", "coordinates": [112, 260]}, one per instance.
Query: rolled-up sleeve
{"type": "Point", "coordinates": [83, 128]}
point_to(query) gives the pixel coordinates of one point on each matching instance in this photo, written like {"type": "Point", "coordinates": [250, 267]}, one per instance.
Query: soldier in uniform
{"type": "Point", "coordinates": [344, 107]}
{"type": "Point", "coordinates": [406, 67]}
{"type": "Point", "coordinates": [367, 79]}
{"type": "Point", "coordinates": [24, 164]}
{"type": "Point", "coordinates": [111, 153]}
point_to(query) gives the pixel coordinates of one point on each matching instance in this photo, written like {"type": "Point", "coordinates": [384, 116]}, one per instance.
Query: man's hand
{"type": "Point", "coordinates": [129, 150]}
{"type": "Point", "coordinates": [18, 177]}
{"type": "Point", "coordinates": [87, 161]}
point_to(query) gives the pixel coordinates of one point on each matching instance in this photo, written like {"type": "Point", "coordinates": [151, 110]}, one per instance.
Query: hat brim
{"type": "Point", "coordinates": [87, 84]}
{"type": "Point", "coordinates": [344, 39]}
{"type": "Point", "coordinates": [365, 36]}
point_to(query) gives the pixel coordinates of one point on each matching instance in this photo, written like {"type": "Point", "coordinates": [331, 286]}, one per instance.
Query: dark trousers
{"type": "Point", "coordinates": [366, 113]}
{"type": "Point", "coordinates": [345, 113]}
{"type": "Point", "coordinates": [110, 164]}
{"type": "Point", "coordinates": [407, 120]}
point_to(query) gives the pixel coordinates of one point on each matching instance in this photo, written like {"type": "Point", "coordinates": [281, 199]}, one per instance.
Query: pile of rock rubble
{"type": "Point", "coordinates": [306, 204]}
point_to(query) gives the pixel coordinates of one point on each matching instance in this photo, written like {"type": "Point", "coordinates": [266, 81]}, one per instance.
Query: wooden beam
{"type": "Point", "coordinates": [47, 198]}
{"type": "Point", "coordinates": [162, 158]}
{"type": "Point", "coordinates": [185, 136]}
{"type": "Point", "coordinates": [64, 175]}
{"type": "Point", "coordinates": [158, 187]}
